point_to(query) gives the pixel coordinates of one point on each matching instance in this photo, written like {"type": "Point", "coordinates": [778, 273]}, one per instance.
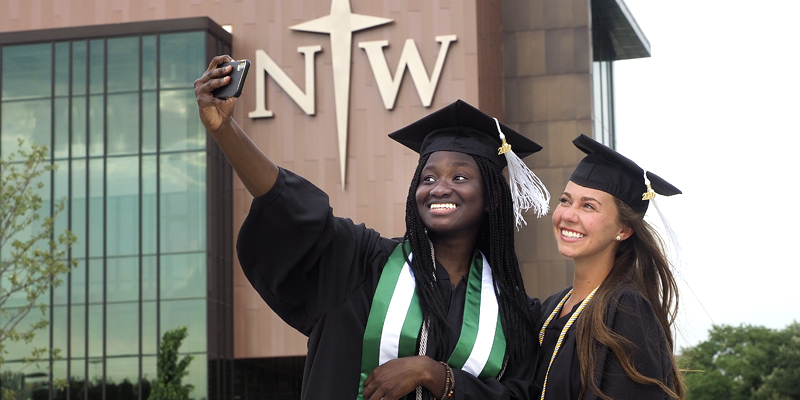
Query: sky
{"type": "Point", "coordinates": [715, 112]}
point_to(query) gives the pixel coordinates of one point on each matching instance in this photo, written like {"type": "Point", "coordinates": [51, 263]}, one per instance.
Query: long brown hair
{"type": "Point", "coordinates": [641, 261]}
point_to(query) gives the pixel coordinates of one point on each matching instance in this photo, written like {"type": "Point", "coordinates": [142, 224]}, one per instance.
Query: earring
{"type": "Point", "coordinates": [619, 238]}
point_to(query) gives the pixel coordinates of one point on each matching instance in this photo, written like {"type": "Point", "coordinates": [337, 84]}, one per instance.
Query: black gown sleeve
{"type": "Point", "coordinates": [516, 382]}
{"type": "Point", "coordinates": [633, 318]}
{"type": "Point", "coordinates": [303, 261]}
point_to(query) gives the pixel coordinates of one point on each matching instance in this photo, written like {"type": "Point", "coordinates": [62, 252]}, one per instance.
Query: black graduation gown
{"type": "Point", "coordinates": [631, 316]}
{"type": "Point", "coordinates": [319, 273]}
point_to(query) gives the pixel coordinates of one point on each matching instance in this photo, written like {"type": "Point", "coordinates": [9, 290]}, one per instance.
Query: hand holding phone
{"type": "Point", "coordinates": [235, 85]}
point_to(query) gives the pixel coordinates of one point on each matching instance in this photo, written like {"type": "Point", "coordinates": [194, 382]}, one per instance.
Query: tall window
{"type": "Point", "coordinates": [117, 111]}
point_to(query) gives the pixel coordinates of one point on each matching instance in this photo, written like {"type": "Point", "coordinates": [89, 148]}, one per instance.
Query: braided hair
{"type": "Point", "coordinates": [496, 241]}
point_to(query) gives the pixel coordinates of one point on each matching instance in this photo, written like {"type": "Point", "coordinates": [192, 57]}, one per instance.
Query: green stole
{"type": "Point", "coordinates": [395, 320]}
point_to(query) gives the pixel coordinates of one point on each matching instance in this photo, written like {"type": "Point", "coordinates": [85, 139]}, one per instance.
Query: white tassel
{"type": "Point", "coordinates": [527, 190]}
{"type": "Point", "coordinates": [675, 249]}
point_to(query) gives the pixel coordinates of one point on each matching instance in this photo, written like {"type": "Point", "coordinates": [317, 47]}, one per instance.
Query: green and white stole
{"type": "Point", "coordinates": [395, 320]}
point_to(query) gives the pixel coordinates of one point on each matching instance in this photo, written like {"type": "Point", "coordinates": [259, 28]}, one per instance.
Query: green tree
{"type": "Point", "coordinates": [33, 258]}
{"type": "Point", "coordinates": [170, 371]}
{"type": "Point", "coordinates": [744, 362]}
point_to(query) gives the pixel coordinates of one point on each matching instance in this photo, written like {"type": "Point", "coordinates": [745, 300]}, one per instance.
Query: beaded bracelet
{"type": "Point", "coordinates": [450, 381]}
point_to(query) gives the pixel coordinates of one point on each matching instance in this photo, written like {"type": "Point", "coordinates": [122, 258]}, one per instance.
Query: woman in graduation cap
{"type": "Point", "coordinates": [608, 336]}
{"type": "Point", "coordinates": [440, 313]}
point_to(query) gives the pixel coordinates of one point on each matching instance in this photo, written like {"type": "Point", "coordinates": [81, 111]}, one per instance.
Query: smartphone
{"type": "Point", "coordinates": [235, 85]}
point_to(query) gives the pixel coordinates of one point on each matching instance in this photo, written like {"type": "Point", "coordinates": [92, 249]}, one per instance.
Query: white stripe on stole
{"type": "Point", "coordinates": [487, 325]}
{"type": "Point", "coordinates": [396, 314]}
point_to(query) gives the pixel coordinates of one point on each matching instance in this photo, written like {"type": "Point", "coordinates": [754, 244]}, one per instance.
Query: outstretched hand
{"type": "Point", "coordinates": [399, 377]}
{"type": "Point", "coordinates": [214, 112]}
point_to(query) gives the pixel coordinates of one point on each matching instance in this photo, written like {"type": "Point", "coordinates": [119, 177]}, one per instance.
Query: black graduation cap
{"type": "Point", "coordinates": [463, 128]}
{"type": "Point", "coordinates": [605, 169]}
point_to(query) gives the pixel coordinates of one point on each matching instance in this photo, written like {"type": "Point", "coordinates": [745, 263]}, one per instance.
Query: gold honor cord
{"type": "Point", "coordinates": [563, 331]}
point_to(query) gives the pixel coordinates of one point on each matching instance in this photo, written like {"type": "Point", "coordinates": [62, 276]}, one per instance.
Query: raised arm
{"type": "Point", "coordinates": [254, 168]}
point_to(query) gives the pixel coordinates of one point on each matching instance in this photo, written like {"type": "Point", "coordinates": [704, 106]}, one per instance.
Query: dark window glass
{"type": "Point", "coordinates": [59, 327]}
{"type": "Point", "coordinates": [122, 206]}
{"type": "Point", "coordinates": [122, 329]}
{"type": "Point", "coordinates": [122, 378]}
{"type": "Point", "coordinates": [26, 71]}
{"type": "Point", "coordinates": [122, 115]}
{"type": "Point", "coordinates": [183, 275]}
{"type": "Point", "coordinates": [123, 64]}
{"type": "Point", "coordinates": [182, 59]}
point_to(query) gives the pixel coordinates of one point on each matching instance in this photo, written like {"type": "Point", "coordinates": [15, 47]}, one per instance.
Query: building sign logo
{"type": "Point", "coordinates": [340, 24]}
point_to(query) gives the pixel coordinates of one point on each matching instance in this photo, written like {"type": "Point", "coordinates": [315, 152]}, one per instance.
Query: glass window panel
{"type": "Point", "coordinates": [79, 70]}
{"type": "Point", "coordinates": [95, 331]}
{"type": "Point", "coordinates": [96, 125]}
{"type": "Point", "coordinates": [182, 59]}
{"type": "Point", "coordinates": [123, 279]}
{"type": "Point", "coordinates": [180, 128]}
{"type": "Point", "coordinates": [183, 198]}
{"type": "Point", "coordinates": [96, 66]}
{"type": "Point", "coordinates": [61, 128]}
{"type": "Point", "coordinates": [77, 373]}
{"type": "Point", "coordinates": [122, 206]}
{"type": "Point", "coordinates": [149, 205]}
{"type": "Point", "coordinates": [60, 374]}
{"type": "Point", "coordinates": [59, 328]}
{"type": "Point", "coordinates": [149, 371]}
{"type": "Point", "coordinates": [188, 313]}
{"type": "Point", "coordinates": [95, 233]}
{"type": "Point", "coordinates": [62, 69]}
{"type": "Point", "coordinates": [122, 114]}
{"type": "Point", "coordinates": [96, 275]}
{"type": "Point", "coordinates": [149, 278]}
{"type": "Point", "coordinates": [61, 193]}
{"type": "Point", "coordinates": [19, 350]}
{"type": "Point", "coordinates": [198, 375]}
{"type": "Point", "coordinates": [183, 275]}
{"type": "Point", "coordinates": [77, 340]}
{"type": "Point", "coordinates": [149, 328]}
{"type": "Point", "coordinates": [122, 329]}
{"type": "Point", "coordinates": [95, 377]}
{"type": "Point", "coordinates": [26, 71]}
{"type": "Point", "coordinates": [123, 64]}
{"type": "Point", "coordinates": [28, 120]}
{"type": "Point", "coordinates": [149, 76]}
{"type": "Point", "coordinates": [149, 110]}
{"type": "Point", "coordinates": [78, 132]}
{"type": "Point", "coordinates": [78, 207]}
{"type": "Point", "coordinates": [78, 282]}
{"type": "Point", "coordinates": [122, 378]}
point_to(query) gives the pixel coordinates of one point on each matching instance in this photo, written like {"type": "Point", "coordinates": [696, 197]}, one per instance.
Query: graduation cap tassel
{"type": "Point", "coordinates": [527, 190]}
{"type": "Point", "coordinates": [676, 252]}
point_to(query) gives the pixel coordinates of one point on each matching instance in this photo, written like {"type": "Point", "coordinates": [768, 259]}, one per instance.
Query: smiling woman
{"type": "Point", "coordinates": [609, 335]}
{"type": "Point", "coordinates": [442, 313]}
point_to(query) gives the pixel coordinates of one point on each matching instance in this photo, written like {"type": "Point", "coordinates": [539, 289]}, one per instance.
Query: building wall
{"type": "Point", "coordinates": [547, 54]}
